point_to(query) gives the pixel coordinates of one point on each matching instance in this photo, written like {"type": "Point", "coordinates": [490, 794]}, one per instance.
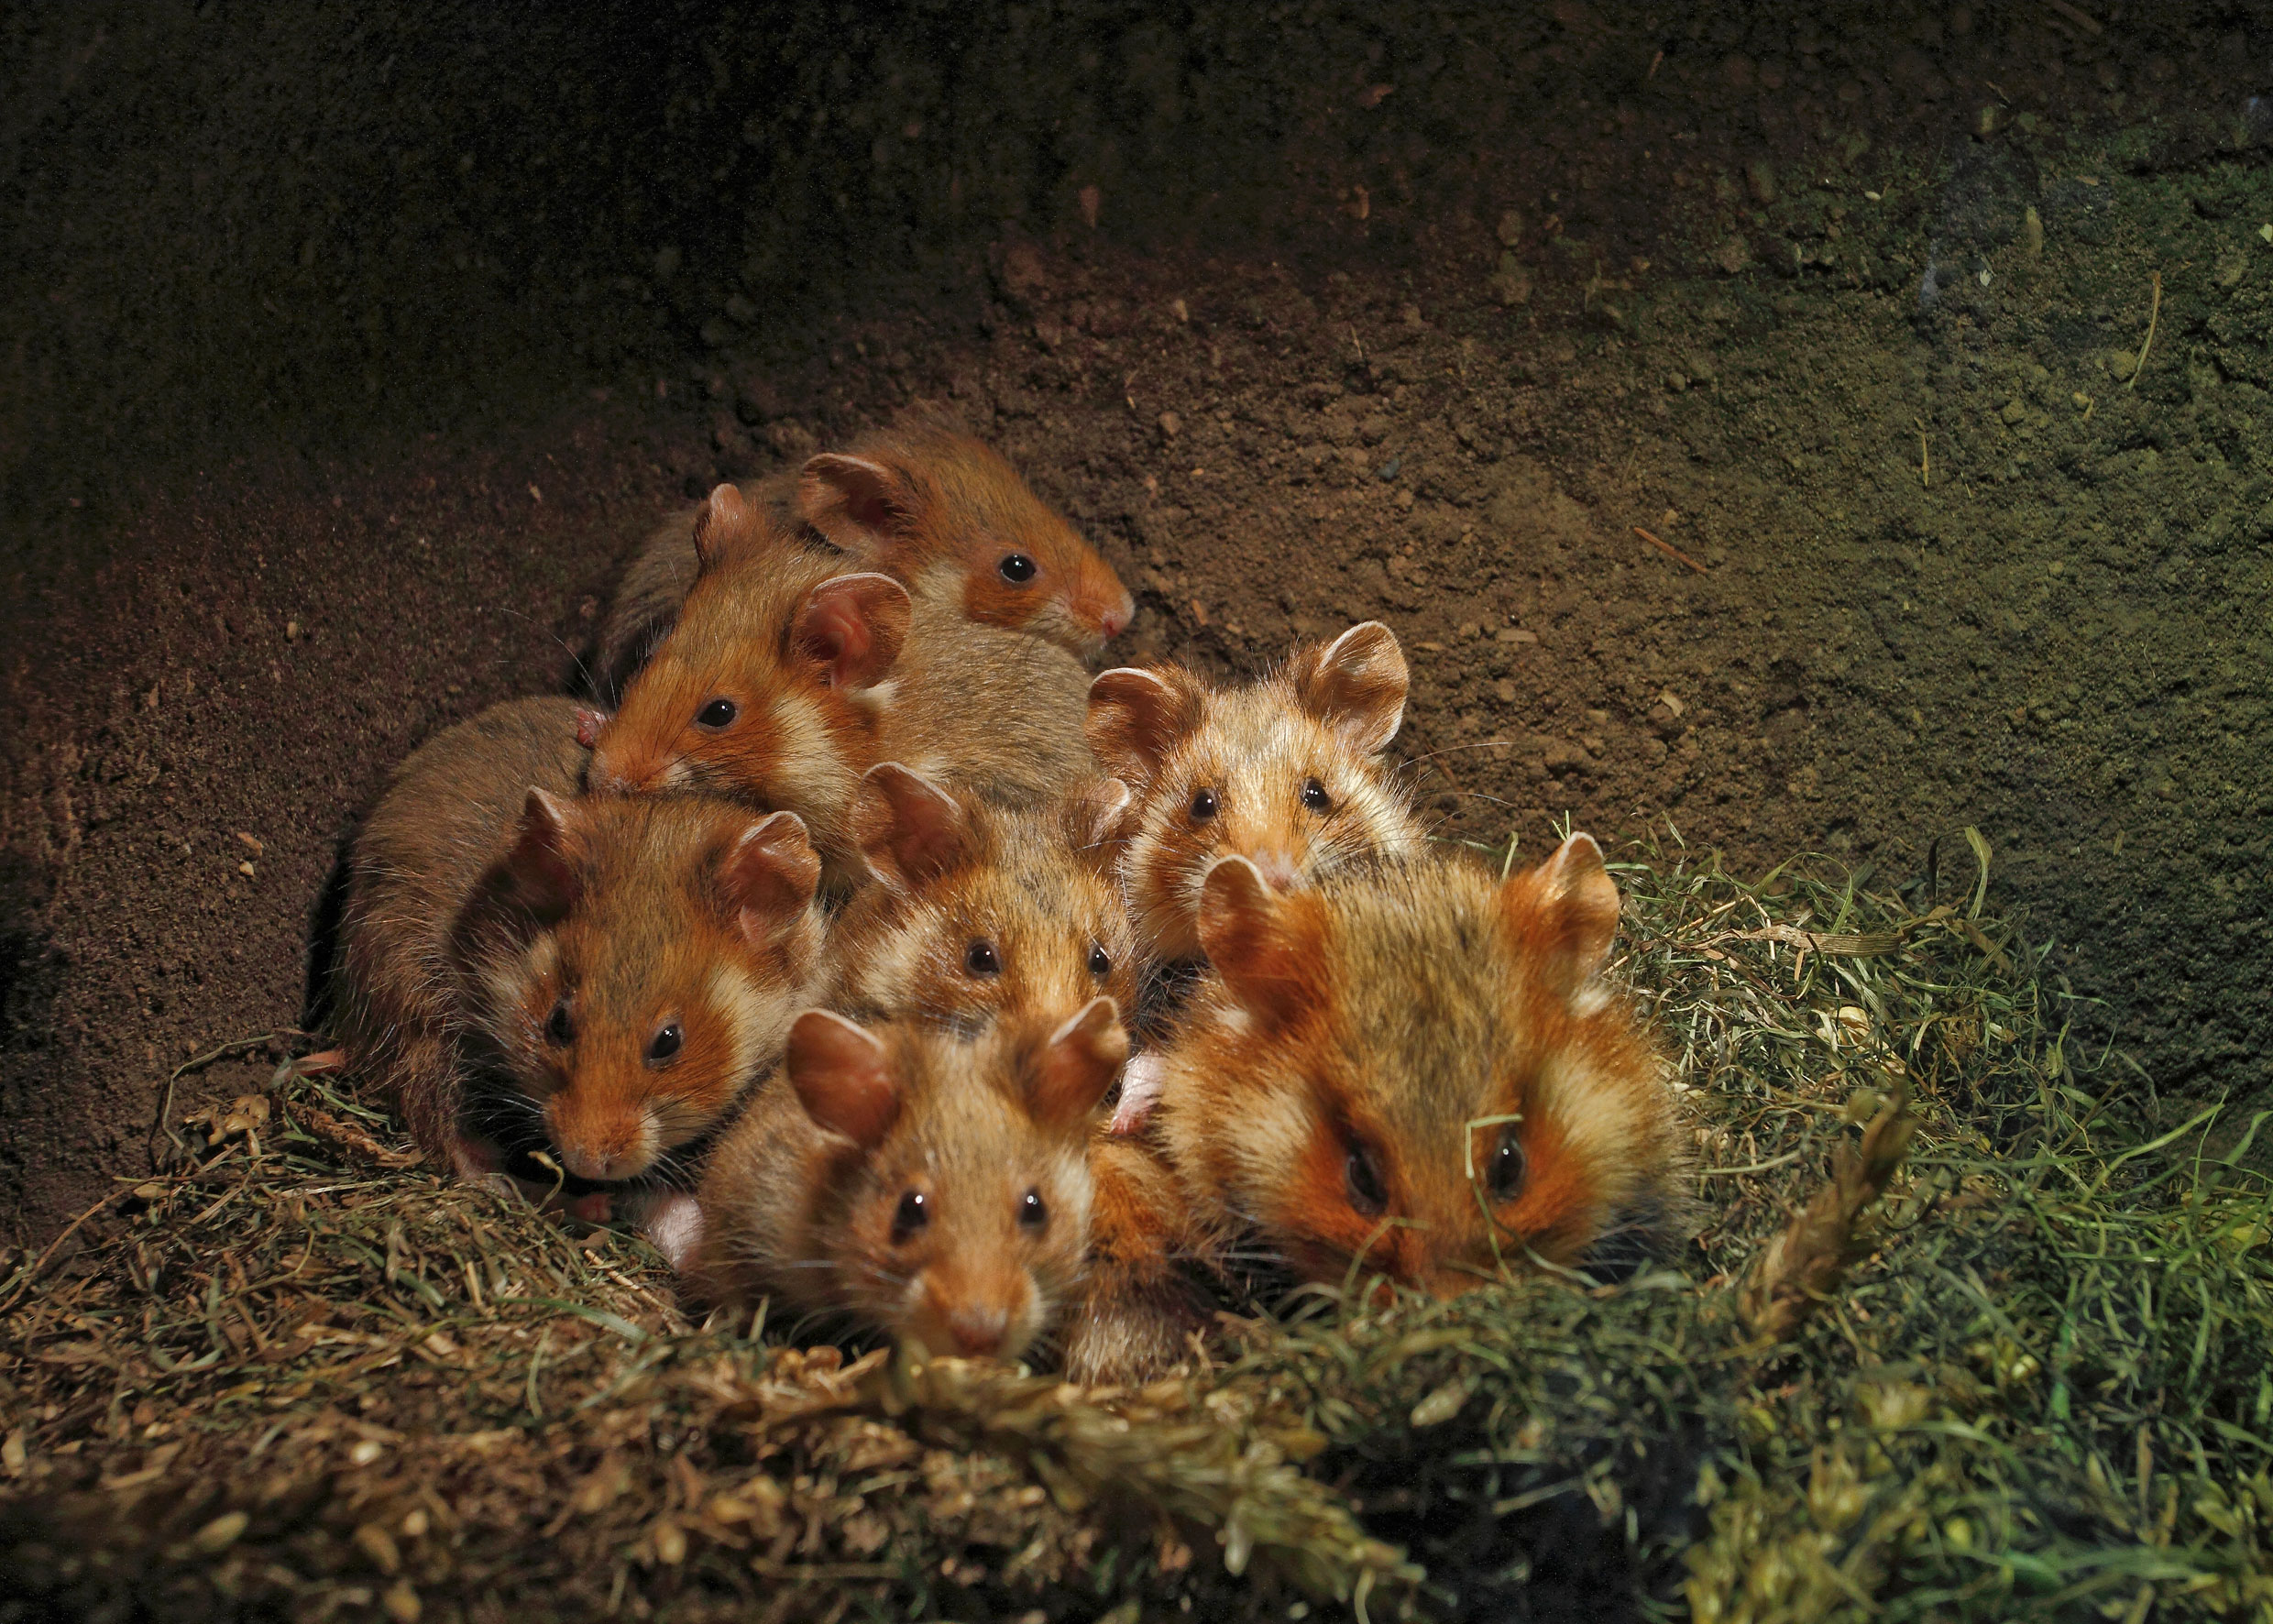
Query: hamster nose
{"type": "Point", "coordinates": [1278, 867]}
{"type": "Point", "coordinates": [977, 1332]}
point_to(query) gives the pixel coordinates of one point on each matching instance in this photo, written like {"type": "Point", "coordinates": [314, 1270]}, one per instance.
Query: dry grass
{"type": "Point", "coordinates": [293, 1377]}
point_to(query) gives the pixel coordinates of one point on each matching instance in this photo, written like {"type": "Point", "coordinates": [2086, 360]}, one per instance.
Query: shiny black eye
{"type": "Point", "coordinates": [1203, 806]}
{"type": "Point", "coordinates": [911, 1215]}
{"type": "Point", "coordinates": [1316, 797]}
{"type": "Point", "coordinates": [663, 1046]}
{"type": "Point", "coordinates": [1100, 961]}
{"type": "Point", "coordinates": [1505, 1173]}
{"type": "Point", "coordinates": [1033, 1212]}
{"type": "Point", "coordinates": [1017, 568]}
{"type": "Point", "coordinates": [981, 959]}
{"type": "Point", "coordinates": [1367, 1194]}
{"type": "Point", "coordinates": [716, 714]}
{"type": "Point", "coordinates": [559, 1028]}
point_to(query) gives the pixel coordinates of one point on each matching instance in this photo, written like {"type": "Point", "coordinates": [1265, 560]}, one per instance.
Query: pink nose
{"type": "Point", "coordinates": [1278, 868]}
{"type": "Point", "coordinates": [1115, 619]}
{"type": "Point", "coordinates": [977, 1332]}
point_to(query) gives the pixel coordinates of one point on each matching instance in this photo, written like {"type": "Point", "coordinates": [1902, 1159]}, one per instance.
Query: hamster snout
{"type": "Point", "coordinates": [974, 1317]}
{"type": "Point", "coordinates": [604, 1141]}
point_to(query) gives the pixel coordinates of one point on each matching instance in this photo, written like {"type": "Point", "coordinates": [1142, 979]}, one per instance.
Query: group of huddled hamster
{"type": "Point", "coordinates": [877, 962]}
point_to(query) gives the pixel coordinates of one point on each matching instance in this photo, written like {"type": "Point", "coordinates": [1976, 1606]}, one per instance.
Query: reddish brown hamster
{"type": "Point", "coordinates": [981, 911]}
{"type": "Point", "coordinates": [948, 516]}
{"type": "Point", "coordinates": [906, 1180]}
{"type": "Point", "coordinates": [769, 687]}
{"type": "Point", "coordinates": [1285, 771]}
{"type": "Point", "coordinates": [937, 510]}
{"type": "Point", "coordinates": [1421, 1071]}
{"type": "Point", "coordinates": [525, 970]}
{"type": "Point", "coordinates": [781, 683]}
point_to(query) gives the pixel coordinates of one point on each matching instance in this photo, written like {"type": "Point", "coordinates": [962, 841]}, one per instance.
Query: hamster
{"type": "Point", "coordinates": [904, 1181]}
{"type": "Point", "coordinates": [1284, 771]}
{"type": "Point", "coordinates": [1138, 1307]}
{"type": "Point", "coordinates": [937, 510]}
{"type": "Point", "coordinates": [981, 911]}
{"type": "Point", "coordinates": [782, 682]}
{"type": "Point", "coordinates": [523, 968]}
{"type": "Point", "coordinates": [769, 688]}
{"type": "Point", "coordinates": [1423, 1072]}
{"type": "Point", "coordinates": [945, 514]}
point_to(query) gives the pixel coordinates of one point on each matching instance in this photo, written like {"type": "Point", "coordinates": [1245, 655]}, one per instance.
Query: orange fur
{"type": "Point", "coordinates": [1289, 765]}
{"type": "Point", "coordinates": [497, 927]}
{"type": "Point", "coordinates": [911, 498]}
{"type": "Point", "coordinates": [1329, 1091]}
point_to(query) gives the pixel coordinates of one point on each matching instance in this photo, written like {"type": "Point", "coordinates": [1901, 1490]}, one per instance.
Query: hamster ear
{"type": "Point", "coordinates": [1566, 914]}
{"type": "Point", "coordinates": [853, 626]}
{"type": "Point", "coordinates": [540, 867]}
{"type": "Point", "coordinates": [910, 831]}
{"type": "Point", "coordinates": [1092, 817]}
{"type": "Point", "coordinates": [768, 874]}
{"type": "Point", "coordinates": [1079, 1062]}
{"type": "Point", "coordinates": [590, 723]}
{"type": "Point", "coordinates": [721, 523]}
{"type": "Point", "coordinates": [1135, 719]}
{"type": "Point", "coordinates": [1356, 684]}
{"type": "Point", "coordinates": [843, 1078]}
{"type": "Point", "coordinates": [855, 502]}
{"type": "Point", "coordinates": [1253, 938]}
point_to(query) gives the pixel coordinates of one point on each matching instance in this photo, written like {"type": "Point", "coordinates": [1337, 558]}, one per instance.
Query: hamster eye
{"type": "Point", "coordinates": [1505, 1175]}
{"type": "Point", "coordinates": [1033, 1212]}
{"type": "Point", "coordinates": [559, 1028]}
{"type": "Point", "coordinates": [716, 714]}
{"type": "Point", "coordinates": [1316, 797]}
{"type": "Point", "coordinates": [1100, 961]}
{"type": "Point", "coordinates": [981, 959]}
{"type": "Point", "coordinates": [1367, 1194]}
{"type": "Point", "coordinates": [911, 1215]}
{"type": "Point", "coordinates": [1017, 568]}
{"type": "Point", "coordinates": [663, 1046]}
{"type": "Point", "coordinates": [1203, 806]}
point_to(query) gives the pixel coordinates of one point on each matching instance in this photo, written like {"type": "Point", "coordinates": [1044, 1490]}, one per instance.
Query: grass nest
{"type": "Point", "coordinates": [2024, 1370]}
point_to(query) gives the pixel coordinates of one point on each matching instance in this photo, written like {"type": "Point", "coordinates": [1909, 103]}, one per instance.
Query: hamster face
{"type": "Point", "coordinates": [948, 515]}
{"type": "Point", "coordinates": [1033, 933]}
{"type": "Point", "coordinates": [1429, 1084]}
{"type": "Point", "coordinates": [1262, 779]}
{"type": "Point", "coordinates": [631, 1043]}
{"type": "Point", "coordinates": [967, 1231]}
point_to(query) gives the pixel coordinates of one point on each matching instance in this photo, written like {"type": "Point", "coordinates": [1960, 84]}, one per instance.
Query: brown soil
{"type": "Point", "coordinates": [334, 408]}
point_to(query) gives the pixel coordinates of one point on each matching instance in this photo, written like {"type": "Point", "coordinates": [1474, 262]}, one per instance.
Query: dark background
{"type": "Point", "coordinates": [348, 349]}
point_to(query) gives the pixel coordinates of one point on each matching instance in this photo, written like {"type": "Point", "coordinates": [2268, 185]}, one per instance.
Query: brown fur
{"type": "Point", "coordinates": [937, 510]}
{"type": "Point", "coordinates": [474, 906]}
{"type": "Point", "coordinates": [1324, 717]}
{"type": "Point", "coordinates": [796, 648]}
{"type": "Point", "coordinates": [1389, 1014]}
{"type": "Point", "coordinates": [800, 1201]}
{"type": "Point", "coordinates": [1033, 887]}
{"type": "Point", "coordinates": [1137, 1311]}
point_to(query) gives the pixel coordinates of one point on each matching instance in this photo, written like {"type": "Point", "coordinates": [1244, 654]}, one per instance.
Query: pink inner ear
{"type": "Point", "coordinates": [918, 832]}
{"type": "Point", "coordinates": [855, 625]}
{"type": "Point", "coordinates": [770, 872]}
{"type": "Point", "coordinates": [843, 1078]}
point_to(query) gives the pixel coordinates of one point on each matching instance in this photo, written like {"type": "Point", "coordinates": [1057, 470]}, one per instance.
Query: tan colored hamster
{"type": "Point", "coordinates": [939, 512]}
{"type": "Point", "coordinates": [780, 684]}
{"type": "Point", "coordinates": [770, 686]}
{"type": "Point", "coordinates": [1284, 771]}
{"type": "Point", "coordinates": [1418, 1069]}
{"type": "Point", "coordinates": [982, 911]}
{"type": "Point", "coordinates": [906, 1180]}
{"type": "Point", "coordinates": [523, 968]}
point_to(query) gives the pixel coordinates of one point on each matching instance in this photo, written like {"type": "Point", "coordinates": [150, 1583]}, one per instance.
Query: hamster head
{"type": "Point", "coordinates": [957, 1213]}
{"type": "Point", "coordinates": [980, 912]}
{"type": "Point", "coordinates": [767, 687]}
{"type": "Point", "coordinates": [640, 962]}
{"type": "Point", "coordinates": [1421, 1073]}
{"type": "Point", "coordinates": [1285, 771]}
{"type": "Point", "coordinates": [921, 500]}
